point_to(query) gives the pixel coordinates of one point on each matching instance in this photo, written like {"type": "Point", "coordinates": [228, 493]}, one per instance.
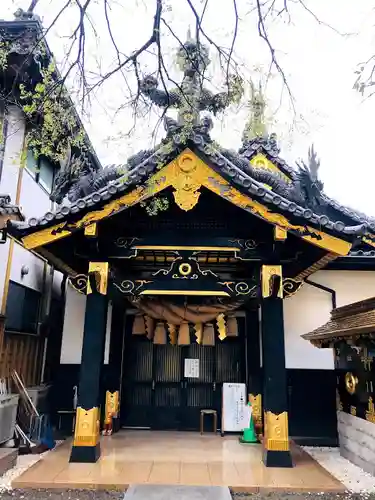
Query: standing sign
{"type": "Point", "coordinates": [191, 368]}
{"type": "Point", "coordinates": [235, 415]}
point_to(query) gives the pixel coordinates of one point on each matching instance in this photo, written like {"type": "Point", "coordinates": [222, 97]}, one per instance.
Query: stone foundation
{"type": "Point", "coordinates": [357, 441]}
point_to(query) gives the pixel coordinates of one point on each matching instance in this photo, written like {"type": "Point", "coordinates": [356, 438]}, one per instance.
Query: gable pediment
{"type": "Point", "coordinates": [186, 174]}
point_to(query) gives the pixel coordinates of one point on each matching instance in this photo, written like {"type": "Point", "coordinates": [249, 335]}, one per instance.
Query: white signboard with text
{"type": "Point", "coordinates": [191, 369]}
{"type": "Point", "coordinates": [235, 414]}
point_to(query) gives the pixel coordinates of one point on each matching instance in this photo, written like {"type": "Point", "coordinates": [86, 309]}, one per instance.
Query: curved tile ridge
{"type": "Point", "coordinates": [350, 212]}
{"type": "Point", "coordinates": [258, 189]}
{"type": "Point", "coordinates": [106, 189]}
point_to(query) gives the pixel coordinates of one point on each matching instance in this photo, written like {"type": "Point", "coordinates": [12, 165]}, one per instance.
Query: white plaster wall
{"type": "Point", "coordinates": [9, 177]}
{"type": "Point", "coordinates": [13, 151]}
{"type": "Point", "coordinates": [311, 307]}
{"type": "Point", "coordinates": [56, 284]}
{"type": "Point", "coordinates": [34, 200]}
{"type": "Point", "coordinates": [34, 278]}
{"type": "Point", "coordinates": [71, 348]}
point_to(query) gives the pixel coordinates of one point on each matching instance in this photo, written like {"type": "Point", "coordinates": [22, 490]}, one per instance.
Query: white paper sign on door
{"type": "Point", "coordinates": [191, 368]}
{"type": "Point", "coordinates": [235, 415]}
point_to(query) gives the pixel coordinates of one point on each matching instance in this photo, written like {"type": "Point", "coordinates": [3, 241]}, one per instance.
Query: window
{"type": "Point", "coordinates": [22, 309]}
{"type": "Point", "coordinates": [41, 170]}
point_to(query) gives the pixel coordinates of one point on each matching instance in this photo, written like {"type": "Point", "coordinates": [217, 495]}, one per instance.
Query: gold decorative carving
{"type": "Point", "coordinates": [112, 401]}
{"type": "Point", "coordinates": [87, 425]}
{"type": "Point", "coordinates": [280, 234]}
{"type": "Point", "coordinates": [100, 270]}
{"type": "Point", "coordinates": [256, 403]}
{"type": "Point", "coordinates": [291, 286]}
{"type": "Point", "coordinates": [186, 174]}
{"type": "Point", "coordinates": [351, 383]}
{"type": "Point", "coordinates": [370, 240]}
{"type": "Point", "coordinates": [79, 283]}
{"type": "Point", "coordinates": [221, 326]}
{"type": "Point", "coordinates": [208, 293]}
{"type": "Point", "coordinates": [187, 181]}
{"type": "Point", "coordinates": [370, 413]}
{"type": "Point", "coordinates": [353, 411]}
{"type": "Point", "coordinates": [91, 231]}
{"type": "Point", "coordinates": [366, 359]}
{"type": "Point", "coordinates": [184, 269]}
{"type": "Point", "coordinates": [276, 431]}
{"type": "Point", "coordinates": [267, 273]}
{"type": "Point", "coordinates": [261, 161]}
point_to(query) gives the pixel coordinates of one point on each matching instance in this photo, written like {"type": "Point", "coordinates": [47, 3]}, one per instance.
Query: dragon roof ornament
{"type": "Point", "coordinates": [190, 97]}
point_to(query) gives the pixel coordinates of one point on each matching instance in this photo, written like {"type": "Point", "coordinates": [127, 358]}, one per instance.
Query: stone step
{"type": "Point", "coordinates": [174, 492]}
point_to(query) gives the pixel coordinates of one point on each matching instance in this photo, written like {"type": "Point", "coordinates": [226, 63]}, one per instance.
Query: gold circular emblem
{"type": "Point", "coordinates": [351, 383]}
{"type": "Point", "coordinates": [187, 164]}
{"type": "Point", "coordinates": [184, 269]}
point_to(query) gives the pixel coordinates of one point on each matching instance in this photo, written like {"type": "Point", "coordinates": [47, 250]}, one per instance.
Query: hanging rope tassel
{"type": "Point", "coordinates": [160, 335]}
{"type": "Point", "coordinates": [139, 327]}
{"type": "Point", "coordinates": [208, 335]}
{"type": "Point", "coordinates": [172, 329]}
{"type": "Point", "coordinates": [150, 325]}
{"type": "Point", "coordinates": [184, 334]}
{"type": "Point", "coordinates": [232, 326]}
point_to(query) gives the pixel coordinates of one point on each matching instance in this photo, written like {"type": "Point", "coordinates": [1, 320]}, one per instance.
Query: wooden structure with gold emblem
{"type": "Point", "coordinates": [188, 235]}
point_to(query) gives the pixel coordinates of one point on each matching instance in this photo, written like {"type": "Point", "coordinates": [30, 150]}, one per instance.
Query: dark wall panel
{"type": "Point", "coordinates": [312, 406]}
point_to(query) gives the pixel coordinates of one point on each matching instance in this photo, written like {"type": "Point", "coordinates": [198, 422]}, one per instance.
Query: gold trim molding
{"type": "Point", "coordinates": [256, 404]}
{"type": "Point", "coordinates": [112, 401]}
{"type": "Point", "coordinates": [370, 413]}
{"type": "Point", "coordinates": [86, 432]}
{"type": "Point", "coordinates": [100, 271]}
{"type": "Point", "coordinates": [208, 293]}
{"type": "Point", "coordinates": [91, 231]}
{"type": "Point", "coordinates": [187, 173]}
{"type": "Point", "coordinates": [279, 233]}
{"type": "Point", "coordinates": [276, 434]}
{"type": "Point", "coordinates": [266, 274]}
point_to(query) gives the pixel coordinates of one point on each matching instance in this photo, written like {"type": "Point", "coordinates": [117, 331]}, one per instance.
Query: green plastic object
{"type": "Point", "coordinates": [249, 435]}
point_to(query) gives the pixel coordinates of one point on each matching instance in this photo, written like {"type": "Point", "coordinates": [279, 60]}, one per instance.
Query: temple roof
{"type": "Point", "coordinates": [255, 170]}
{"type": "Point", "coordinates": [263, 185]}
{"type": "Point", "coordinates": [347, 322]}
{"type": "Point", "coordinates": [8, 211]}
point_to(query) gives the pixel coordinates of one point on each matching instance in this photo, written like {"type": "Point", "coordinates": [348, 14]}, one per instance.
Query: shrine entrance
{"type": "Point", "coordinates": [165, 387]}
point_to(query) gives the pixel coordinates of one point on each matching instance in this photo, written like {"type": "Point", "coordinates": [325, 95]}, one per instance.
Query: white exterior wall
{"type": "Point", "coordinates": [72, 341]}
{"type": "Point", "coordinates": [33, 200]}
{"type": "Point", "coordinates": [311, 307]}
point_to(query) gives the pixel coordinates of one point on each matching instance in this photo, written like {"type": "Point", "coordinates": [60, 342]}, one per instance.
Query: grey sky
{"type": "Point", "coordinates": [319, 65]}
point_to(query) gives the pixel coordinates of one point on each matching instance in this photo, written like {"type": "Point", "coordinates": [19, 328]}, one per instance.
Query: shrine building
{"type": "Point", "coordinates": [192, 255]}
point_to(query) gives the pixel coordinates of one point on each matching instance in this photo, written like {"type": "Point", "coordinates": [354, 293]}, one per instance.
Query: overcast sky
{"type": "Point", "coordinates": [319, 65]}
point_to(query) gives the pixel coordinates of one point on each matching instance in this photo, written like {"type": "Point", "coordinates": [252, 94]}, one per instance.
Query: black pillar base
{"type": "Point", "coordinates": [273, 458]}
{"type": "Point", "coordinates": [85, 454]}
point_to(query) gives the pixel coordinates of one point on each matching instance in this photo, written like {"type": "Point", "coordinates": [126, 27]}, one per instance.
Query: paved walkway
{"type": "Point", "coordinates": [152, 492]}
{"type": "Point", "coordinates": [173, 458]}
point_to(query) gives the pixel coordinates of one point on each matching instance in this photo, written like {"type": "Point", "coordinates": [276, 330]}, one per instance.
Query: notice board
{"type": "Point", "coordinates": [234, 414]}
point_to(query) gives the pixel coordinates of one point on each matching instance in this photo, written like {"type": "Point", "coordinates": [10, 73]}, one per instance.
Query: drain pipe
{"type": "Point", "coordinates": [325, 289]}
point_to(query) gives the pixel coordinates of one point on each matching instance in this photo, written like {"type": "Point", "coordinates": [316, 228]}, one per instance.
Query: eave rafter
{"type": "Point", "coordinates": [187, 174]}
